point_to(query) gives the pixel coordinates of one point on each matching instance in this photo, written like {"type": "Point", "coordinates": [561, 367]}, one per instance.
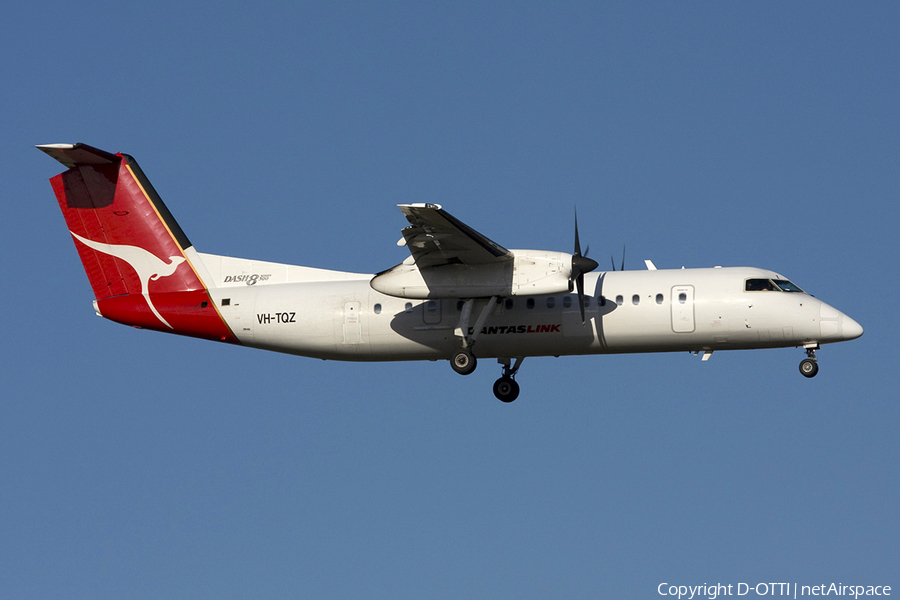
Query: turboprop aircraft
{"type": "Point", "coordinates": [458, 296]}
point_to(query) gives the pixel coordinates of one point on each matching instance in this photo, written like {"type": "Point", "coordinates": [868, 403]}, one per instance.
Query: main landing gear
{"type": "Point", "coordinates": [505, 389]}
{"type": "Point", "coordinates": [809, 366]}
{"type": "Point", "coordinates": [463, 362]}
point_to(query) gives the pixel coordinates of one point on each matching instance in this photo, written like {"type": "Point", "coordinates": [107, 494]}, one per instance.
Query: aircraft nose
{"type": "Point", "coordinates": [836, 326]}
{"type": "Point", "coordinates": [850, 328]}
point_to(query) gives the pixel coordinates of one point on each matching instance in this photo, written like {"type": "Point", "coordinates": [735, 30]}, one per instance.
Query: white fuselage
{"type": "Point", "coordinates": [459, 296]}
{"type": "Point", "coordinates": [336, 315]}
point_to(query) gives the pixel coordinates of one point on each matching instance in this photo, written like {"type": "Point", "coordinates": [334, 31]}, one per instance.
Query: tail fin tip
{"type": "Point", "coordinates": [73, 155]}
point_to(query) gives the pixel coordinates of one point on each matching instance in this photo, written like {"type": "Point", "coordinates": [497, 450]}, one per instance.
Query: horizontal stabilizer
{"type": "Point", "coordinates": [73, 155]}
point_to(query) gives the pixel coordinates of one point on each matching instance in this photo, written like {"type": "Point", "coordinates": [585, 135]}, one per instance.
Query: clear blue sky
{"type": "Point", "coordinates": [139, 465]}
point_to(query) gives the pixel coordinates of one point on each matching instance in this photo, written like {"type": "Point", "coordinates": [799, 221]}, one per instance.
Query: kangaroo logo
{"type": "Point", "coordinates": [145, 264]}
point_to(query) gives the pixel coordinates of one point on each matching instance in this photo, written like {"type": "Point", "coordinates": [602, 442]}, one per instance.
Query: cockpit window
{"type": "Point", "coordinates": [770, 285]}
{"type": "Point", "coordinates": [760, 285]}
{"type": "Point", "coordinates": [787, 286]}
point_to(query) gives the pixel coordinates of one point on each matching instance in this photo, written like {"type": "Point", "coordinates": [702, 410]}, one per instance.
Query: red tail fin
{"type": "Point", "coordinates": [137, 258]}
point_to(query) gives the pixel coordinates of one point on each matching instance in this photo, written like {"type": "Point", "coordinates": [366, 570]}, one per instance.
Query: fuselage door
{"type": "Point", "coordinates": [432, 312]}
{"type": "Point", "coordinates": [683, 309]}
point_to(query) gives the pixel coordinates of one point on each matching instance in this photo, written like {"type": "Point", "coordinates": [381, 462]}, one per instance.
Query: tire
{"type": "Point", "coordinates": [463, 362]}
{"type": "Point", "coordinates": [506, 389]}
{"type": "Point", "coordinates": [809, 367]}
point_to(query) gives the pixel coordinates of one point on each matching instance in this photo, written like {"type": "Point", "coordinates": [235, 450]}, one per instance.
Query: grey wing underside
{"type": "Point", "coordinates": [436, 238]}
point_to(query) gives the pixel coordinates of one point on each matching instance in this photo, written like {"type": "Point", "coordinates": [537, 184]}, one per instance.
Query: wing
{"type": "Point", "coordinates": [452, 260]}
{"type": "Point", "coordinates": [436, 238]}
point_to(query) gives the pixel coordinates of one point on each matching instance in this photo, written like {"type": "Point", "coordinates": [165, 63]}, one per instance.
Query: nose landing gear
{"type": "Point", "coordinates": [809, 366]}
{"type": "Point", "coordinates": [506, 389]}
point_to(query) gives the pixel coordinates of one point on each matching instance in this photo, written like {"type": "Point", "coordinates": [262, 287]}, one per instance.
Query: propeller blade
{"type": "Point", "coordinates": [581, 264]}
{"type": "Point", "coordinates": [579, 282]}
{"type": "Point", "coordinates": [612, 260]}
{"type": "Point", "coordinates": [577, 241]}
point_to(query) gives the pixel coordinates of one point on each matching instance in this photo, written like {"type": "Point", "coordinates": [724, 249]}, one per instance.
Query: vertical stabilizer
{"type": "Point", "coordinates": [141, 266]}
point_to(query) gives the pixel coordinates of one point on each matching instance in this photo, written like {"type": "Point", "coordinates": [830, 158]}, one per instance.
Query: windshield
{"type": "Point", "coordinates": [787, 286]}
{"type": "Point", "coordinates": [770, 285]}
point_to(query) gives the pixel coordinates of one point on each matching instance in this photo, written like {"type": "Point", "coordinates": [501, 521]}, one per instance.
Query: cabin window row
{"type": "Point", "coordinates": [569, 301]}
{"type": "Point", "coordinates": [751, 285]}
{"type": "Point", "coordinates": [550, 302]}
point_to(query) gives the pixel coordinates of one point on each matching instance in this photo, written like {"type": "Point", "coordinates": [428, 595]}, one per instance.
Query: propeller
{"type": "Point", "coordinates": [623, 260]}
{"type": "Point", "coordinates": [581, 264]}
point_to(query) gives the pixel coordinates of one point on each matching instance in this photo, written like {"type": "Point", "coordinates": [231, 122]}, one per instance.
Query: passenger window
{"type": "Point", "coordinates": [567, 301]}
{"type": "Point", "coordinates": [529, 303]}
{"type": "Point", "coordinates": [508, 304]}
{"type": "Point", "coordinates": [587, 301]}
{"type": "Point", "coordinates": [377, 309]}
{"type": "Point", "coordinates": [659, 298]}
{"type": "Point", "coordinates": [551, 302]}
{"type": "Point", "coordinates": [431, 306]}
{"type": "Point", "coordinates": [602, 300]}
{"type": "Point", "coordinates": [635, 299]}
{"type": "Point", "coordinates": [408, 306]}
{"type": "Point", "coordinates": [620, 301]}
{"type": "Point", "coordinates": [682, 298]}
{"type": "Point", "coordinates": [459, 305]}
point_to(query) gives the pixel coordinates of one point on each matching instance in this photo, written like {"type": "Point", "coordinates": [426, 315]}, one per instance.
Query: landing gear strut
{"type": "Point", "coordinates": [506, 389]}
{"type": "Point", "coordinates": [809, 366]}
{"type": "Point", "coordinates": [463, 361]}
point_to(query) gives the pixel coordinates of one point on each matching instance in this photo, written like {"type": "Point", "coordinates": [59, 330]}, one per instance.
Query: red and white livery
{"type": "Point", "coordinates": [458, 296]}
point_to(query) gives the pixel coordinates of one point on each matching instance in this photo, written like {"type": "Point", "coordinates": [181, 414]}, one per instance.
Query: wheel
{"type": "Point", "coordinates": [463, 362]}
{"type": "Point", "coordinates": [809, 367]}
{"type": "Point", "coordinates": [506, 389]}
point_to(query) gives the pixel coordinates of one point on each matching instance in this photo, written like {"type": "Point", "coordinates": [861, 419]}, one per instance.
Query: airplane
{"type": "Point", "coordinates": [459, 296]}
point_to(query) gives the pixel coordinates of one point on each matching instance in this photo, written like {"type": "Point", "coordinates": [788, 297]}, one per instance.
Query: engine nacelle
{"type": "Point", "coordinates": [526, 273]}
{"type": "Point", "coordinates": [538, 272]}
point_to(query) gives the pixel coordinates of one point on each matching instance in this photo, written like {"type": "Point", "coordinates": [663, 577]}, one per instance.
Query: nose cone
{"type": "Point", "coordinates": [850, 329]}
{"type": "Point", "coordinates": [836, 326]}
